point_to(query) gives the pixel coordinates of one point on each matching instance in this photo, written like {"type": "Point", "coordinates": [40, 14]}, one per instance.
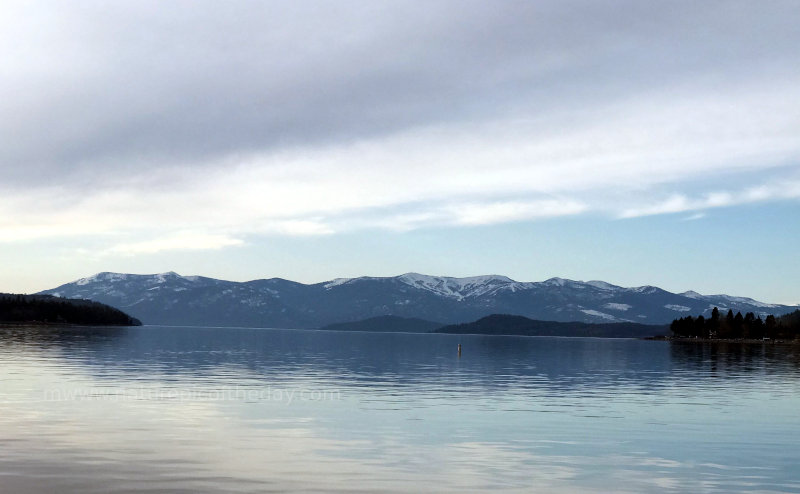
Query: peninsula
{"type": "Point", "coordinates": [47, 310]}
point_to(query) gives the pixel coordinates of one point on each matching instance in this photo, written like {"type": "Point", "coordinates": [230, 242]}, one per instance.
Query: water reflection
{"type": "Point", "coordinates": [735, 359]}
{"type": "Point", "coordinates": [564, 364]}
{"type": "Point", "coordinates": [204, 410]}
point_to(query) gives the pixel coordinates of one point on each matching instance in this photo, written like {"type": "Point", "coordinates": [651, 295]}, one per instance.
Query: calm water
{"type": "Point", "coordinates": [219, 410]}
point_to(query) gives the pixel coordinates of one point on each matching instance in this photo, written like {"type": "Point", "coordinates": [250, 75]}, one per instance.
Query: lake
{"type": "Point", "coordinates": [155, 409]}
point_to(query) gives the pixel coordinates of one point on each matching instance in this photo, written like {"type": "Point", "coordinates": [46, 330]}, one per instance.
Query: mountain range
{"type": "Point", "coordinates": [172, 299]}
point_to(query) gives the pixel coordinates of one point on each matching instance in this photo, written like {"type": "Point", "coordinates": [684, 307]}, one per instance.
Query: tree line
{"type": "Point", "coordinates": [54, 310]}
{"type": "Point", "coordinates": [737, 326]}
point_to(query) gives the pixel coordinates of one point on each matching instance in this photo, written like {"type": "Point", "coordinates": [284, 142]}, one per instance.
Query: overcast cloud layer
{"type": "Point", "coordinates": [312, 118]}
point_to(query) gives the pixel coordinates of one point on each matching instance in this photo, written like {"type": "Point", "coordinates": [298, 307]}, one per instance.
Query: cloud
{"type": "Point", "coordinates": [507, 211]}
{"type": "Point", "coordinates": [675, 204]}
{"type": "Point", "coordinates": [454, 213]}
{"type": "Point", "coordinates": [132, 119]}
{"type": "Point", "coordinates": [110, 90]}
{"type": "Point", "coordinates": [172, 242]}
{"type": "Point", "coordinates": [695, 217]}
{"type": "Point", "coordinates": [681, 203]}
{"type": "Point", "coordinates": [301, 227]}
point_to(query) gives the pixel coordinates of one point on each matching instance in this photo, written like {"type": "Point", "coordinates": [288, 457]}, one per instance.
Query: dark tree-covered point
{"type": "Point", "coordinates": [46, 309]}
{"type": "Point", "coordinates": [508, 324]}
{"type": "Point", "coordinates": [738, 327]}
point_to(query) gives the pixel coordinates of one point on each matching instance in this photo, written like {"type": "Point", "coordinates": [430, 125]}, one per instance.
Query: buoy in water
{"type": "Point", "coordinates": [459, 349]}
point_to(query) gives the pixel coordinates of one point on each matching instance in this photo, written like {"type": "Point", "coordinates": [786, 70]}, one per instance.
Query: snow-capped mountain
{"type": "Point", "coordinates": [169, 298]}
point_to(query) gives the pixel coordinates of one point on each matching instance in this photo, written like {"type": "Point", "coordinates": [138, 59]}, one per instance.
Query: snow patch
{"type": "Point", "coordinates": [743, 300]}
{"type": "Point", "coordinates": [336, 282]}
{"type": "Point", "coordinates": [162, 277]}
{"type": "Point", "coordinates": [555, 282]}
{"type": "Point", "coordinates": [615, 306]}
{"type": "Point", "coordinates": [102, 277]}
{"type": "Point", "coordinates": [597, 313]}
{"type": "Point", "coordinates": [602, 285]}
{"type": "Point", "coordinates": [342, 281]}
{"type": "Point", "coordinates": [729, 299]}
{"type": "Point", "coordinates": [679, 308]}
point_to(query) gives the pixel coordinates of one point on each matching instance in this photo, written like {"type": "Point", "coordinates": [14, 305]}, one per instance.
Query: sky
{"type": "Point", "coordinates": [633, 142]}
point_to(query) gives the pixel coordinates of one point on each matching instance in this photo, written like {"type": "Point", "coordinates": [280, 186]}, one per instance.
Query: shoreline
{"type": "Point", "coordinates": [744, 341]}
{"type": "Point", "coordinates": [45, 324]}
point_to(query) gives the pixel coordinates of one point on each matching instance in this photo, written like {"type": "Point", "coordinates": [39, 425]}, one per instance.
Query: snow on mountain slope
{"type": "Point", "coordinates": [678, 308]}
{"type": "Point", "coordinates": [647, 289]}
{"type": "Point", "coordinates": [617, 306]}
{"type": "Point", "coordinates": [741, 300]}
{"type": "Point", "coordinates": [601, 315]}
{"type": "Point", "coordinates": [602, 285]}
{"type": "Point", "coordinates": [337, 281]}
{"type": "Point", "coordinates": [132, 290]}
{"type": "Point", "coordinates": [457, 288]}
{"type": "Point", "coordinates": [731, 300]}
{"type": "Point", "coordinates": [100, 277]}
{"type": "Point", "coordinates": [556, 282]}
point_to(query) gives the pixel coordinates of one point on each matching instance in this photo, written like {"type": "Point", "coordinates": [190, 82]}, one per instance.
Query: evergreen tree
{"type": "Point", "coordinates": [712, 325]}
{"type": "Point", "coordinates": [700, 330]}
{"type": "Point", "coordinates": [748, 326]}
{"type": "Point", "coordinates": [738, 323]}
{"type": "Point", "coordinates": [757, 331]}
{"type": "Point", "coordinates": [769, 326]}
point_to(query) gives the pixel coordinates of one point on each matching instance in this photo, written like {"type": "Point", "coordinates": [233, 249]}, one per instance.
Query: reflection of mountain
{"type": "Point", "coordinates": [387, 324]}
{"type": "Point", "coordinates": [193, 300]}
{"type": "Point", "coordinates": [380, 362]}
{"type": "Point", "coordinates": [60, 337]}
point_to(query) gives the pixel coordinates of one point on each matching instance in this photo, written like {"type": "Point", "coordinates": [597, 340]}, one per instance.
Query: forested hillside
{"type": "Point", "coordinates": [737, 326]}
{"type": "Point", "coordinates": [54, 310]}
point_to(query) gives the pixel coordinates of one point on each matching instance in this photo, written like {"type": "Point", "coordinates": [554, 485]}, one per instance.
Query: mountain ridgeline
{"type": "Point", "coordinates": [171, 299]}
{"type": "Point", "coordinates": [46, 309]}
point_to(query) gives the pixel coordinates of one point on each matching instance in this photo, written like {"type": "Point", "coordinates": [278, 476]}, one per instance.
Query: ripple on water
{"type": "Point", "coordinates": [197, 410]}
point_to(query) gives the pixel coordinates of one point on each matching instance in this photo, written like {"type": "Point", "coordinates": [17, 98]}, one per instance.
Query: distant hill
{"type": "Point", "coordinates": [172, 299]}
{"type": "Point", "coordinates": [53, 310]}
{"type": "Point", "coordinates": [388, 324]}
{"type": "Point", "coordinates": [502, 324]}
